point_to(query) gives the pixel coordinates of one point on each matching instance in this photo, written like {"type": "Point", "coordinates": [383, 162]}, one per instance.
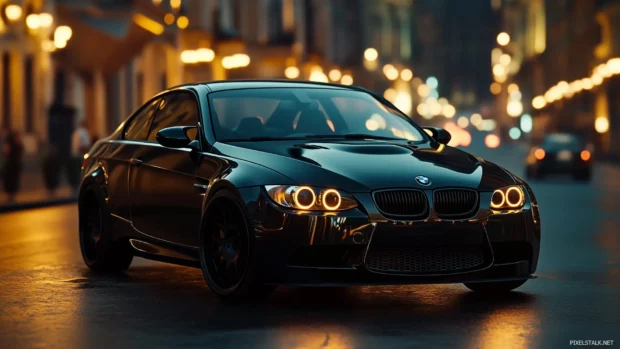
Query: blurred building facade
{"type": "Point", "coordinates": [565, 63]}
{"type": "Point", "coordinates": [102, 59]}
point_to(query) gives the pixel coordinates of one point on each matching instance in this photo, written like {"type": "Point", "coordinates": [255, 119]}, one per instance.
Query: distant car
{"type": "Point", "coordinates": [260, 183]}
{"type": "Point", "coordinates": [560, 153]}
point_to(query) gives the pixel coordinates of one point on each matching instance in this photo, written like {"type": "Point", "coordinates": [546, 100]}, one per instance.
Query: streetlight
{"type": "Point", "coordinates": [45, 20]}
{"type": "Point", "coordinates": [13, 12]}
{"type": "Point", "coordinates": [205, 54]}
{"type": "Point", "coordinates": [182, 22]}
{"type": "Point", "coordinates": [346, 79]}
{"type": "Point", "coordinates": [335, 74]}
{"type": "Point", "coordinates": [539, 102]}
{"type": "Point", "coordinates": [33, 22]}
{"type": "Point", "coordinates": [503, 38]}
{"type": "Point", "coordinates": [371, 54]}
{"type": "Point", "coordinates": [601, 124]}
{"type": "Point", "coordinates": [390, 72]}
{"type": "Point", "coordinates": [291, 72]}
{"type": "Point", "coordinates": [406, 74]}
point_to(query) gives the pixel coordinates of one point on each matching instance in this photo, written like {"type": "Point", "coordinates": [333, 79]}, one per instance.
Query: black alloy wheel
{"type": "Point", "coordinates": [226, 253]}
{"type": "Point", "coordinates": [227, 249]}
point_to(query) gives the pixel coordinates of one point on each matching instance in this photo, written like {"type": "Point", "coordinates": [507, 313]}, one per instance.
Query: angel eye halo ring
{"type": "Point", "coordinates": [511, 197]}
{"type": "Point", "coordinates": [310, 198]}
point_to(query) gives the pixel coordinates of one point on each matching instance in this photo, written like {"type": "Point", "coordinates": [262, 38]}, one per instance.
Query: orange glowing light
{"type": "Point", "coordinates": [296, 197]}
{"type": "Point", "coordinates": [519, 201]}
{"type": "Point", "coordinates": [498, 195]}
{"type": "Point", "coordinates": [539, 154]}
{"type": "Point", "coordinates": [492, 141]}
{"type": "Point", "coordinates": [585, 155]}
{"type": "Point", "coordinates": [334, 192]}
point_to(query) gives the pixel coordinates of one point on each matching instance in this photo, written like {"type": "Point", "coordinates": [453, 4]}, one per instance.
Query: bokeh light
{"type": "Point", "coordinates": [601, 124]}
{"type": "Point", "coordinates": [503, 38]}
{"type": "Point", "coordinates": [462, 121]}
{"type": "Point", "coordinates": [526, 123]}
{"type": "Point", "coordinates": [334, 74]}
{"type": "Point", "coordinates": [346, 79]}
{"type": "Point", "coordinates": [492, 141]}
{"type": "Point", "coordinates": [475, 119]}
{"type": "Point", "coordinates": [406, 74]}
{"type": "Point", "coordinates": [371, 54]}
{"type": "Point", "coordinates": [496, 88]}
{"type": "Point", "coordinates": [432, 82]}
{"type": "Point", "coordinates": [514, 133]}
{"type": "Point", "coordinates": [291, 72]}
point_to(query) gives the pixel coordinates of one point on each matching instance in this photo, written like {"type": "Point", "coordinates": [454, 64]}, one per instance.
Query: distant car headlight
{"type": "Point", "coordinates": [511, 197]}
{"type": "Point", "coordinates": [311, 198]}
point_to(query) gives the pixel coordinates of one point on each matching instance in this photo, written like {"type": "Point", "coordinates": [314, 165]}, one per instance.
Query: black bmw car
{"type": "Point", "coordinates": [261, 183]}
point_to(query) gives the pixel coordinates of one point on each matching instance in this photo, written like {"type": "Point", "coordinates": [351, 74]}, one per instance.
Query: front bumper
{"type": "Point", "coordinates": [306, 248]}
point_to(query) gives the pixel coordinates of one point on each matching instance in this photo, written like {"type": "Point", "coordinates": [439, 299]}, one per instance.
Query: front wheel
{"type": "Point", "coordinates": [494, 287]}
{"type": "Point", "coordinates": [226, 251]}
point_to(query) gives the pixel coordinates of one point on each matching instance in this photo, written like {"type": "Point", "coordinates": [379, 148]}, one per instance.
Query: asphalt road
{"type": "Point", "coordinates": [48, 298]}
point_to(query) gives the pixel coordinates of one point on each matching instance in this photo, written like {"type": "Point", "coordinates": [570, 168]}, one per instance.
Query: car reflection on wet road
{"type": "Point", "coordinates": [48, 298]}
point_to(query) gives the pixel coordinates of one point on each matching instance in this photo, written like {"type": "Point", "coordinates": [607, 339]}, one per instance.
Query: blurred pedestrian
{"type": "Point", "coordinates": [51, 168]}
{"type": "Point", "coordinates": [80, 145]}
{"type": "Point", "coordinates": [13, 150]}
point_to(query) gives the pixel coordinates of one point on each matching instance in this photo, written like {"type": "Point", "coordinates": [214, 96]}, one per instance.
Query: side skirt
{"type": "Point", "coordinates": [164, 253]}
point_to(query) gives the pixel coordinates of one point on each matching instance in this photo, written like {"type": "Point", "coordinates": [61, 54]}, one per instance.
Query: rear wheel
{"type": "Point", "coordinates": [99, 251]}
{"type": "Point", "coordinates": [494, 287]}
{"type": "Point", "coordinates": [226, 251]}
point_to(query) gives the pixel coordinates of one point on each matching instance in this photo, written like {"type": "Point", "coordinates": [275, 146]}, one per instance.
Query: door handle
{"type": "Point", "coordinates": [136, 162]}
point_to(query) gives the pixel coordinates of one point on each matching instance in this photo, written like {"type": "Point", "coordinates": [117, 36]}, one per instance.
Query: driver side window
{"type": "Point", "coordinates": [176, 109]}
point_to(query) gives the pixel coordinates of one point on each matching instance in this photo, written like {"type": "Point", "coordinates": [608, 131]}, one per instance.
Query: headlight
{"type": "Point", "coordinates": [511, 197]}
{"type": "Point", "coordinates": [311, 198]}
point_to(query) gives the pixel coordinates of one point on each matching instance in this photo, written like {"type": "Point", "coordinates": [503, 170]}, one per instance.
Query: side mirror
{"type": "Point", "coordinates": [176, 136]}
{"type": "Point", "coordinates": [439, 134]}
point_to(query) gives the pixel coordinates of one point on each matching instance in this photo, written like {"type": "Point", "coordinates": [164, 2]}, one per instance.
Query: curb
{"type": "Point", "coordinates": [36, 204]}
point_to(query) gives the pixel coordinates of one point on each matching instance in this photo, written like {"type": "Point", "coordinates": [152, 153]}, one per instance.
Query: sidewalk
{"type": "Point", "coordinates": [32, 191]}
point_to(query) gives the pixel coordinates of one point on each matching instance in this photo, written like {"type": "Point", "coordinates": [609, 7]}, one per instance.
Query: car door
{"type": "Point", "coordinates": [164, 203]}
{"type": "Point", "coordinates": [134, 134]}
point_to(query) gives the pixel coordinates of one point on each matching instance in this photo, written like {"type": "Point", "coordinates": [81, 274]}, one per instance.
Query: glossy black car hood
{"type": "Point", "coordinates": [363, 166]}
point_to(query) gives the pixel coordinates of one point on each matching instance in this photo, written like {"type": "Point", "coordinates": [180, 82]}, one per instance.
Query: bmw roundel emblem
{"type": "Point", "coordinates": [423, 180]}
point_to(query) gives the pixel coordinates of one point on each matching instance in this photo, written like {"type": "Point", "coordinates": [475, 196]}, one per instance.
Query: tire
{"type": "Point", "coordinates": [99, 252]}
{"type": "Point", "coordinates": [494, 287]}
{"type": "Point", "coordinates": [227, 255]}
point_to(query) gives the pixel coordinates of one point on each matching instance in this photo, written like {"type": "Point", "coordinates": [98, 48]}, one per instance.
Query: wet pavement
{"type": "Point", "coordinates": [48, 298]}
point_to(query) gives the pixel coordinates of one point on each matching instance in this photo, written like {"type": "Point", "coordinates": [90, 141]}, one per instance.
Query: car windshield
{"type": "Point", "coordinates": [297, 113]}
{"type": "Point", "coordinates": [562, 141]}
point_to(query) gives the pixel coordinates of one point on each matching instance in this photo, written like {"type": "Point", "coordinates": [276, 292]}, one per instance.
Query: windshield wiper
{"type": "Point", "coordinates": [354, 136]}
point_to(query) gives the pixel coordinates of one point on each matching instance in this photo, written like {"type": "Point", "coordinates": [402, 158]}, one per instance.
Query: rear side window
{"type": "Point", "coordinates": [138, 127]}
{"type": "Point", "coordinates": [177, 109]}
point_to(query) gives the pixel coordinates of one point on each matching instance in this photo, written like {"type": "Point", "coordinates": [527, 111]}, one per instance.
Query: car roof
{"type": "Point", "coordinates": [223, 85]}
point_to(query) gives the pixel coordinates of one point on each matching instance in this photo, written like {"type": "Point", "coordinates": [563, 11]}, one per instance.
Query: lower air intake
{"type": "Point", "coordinates": [431, 260]}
